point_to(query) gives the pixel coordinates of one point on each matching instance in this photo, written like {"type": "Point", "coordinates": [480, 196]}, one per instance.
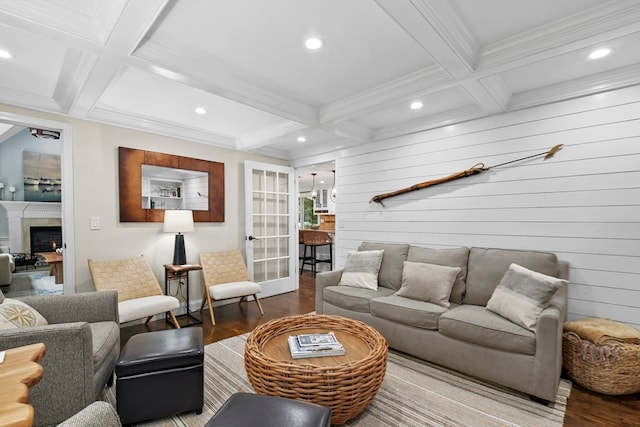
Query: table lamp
{"type": "Point", "coordinates": [178, 221]}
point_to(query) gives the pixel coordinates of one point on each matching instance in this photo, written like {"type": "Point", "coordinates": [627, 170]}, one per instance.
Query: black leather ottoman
{"type": "Point", "coordinates": [252, 410]}
{"type": "Point", "coordinates": [159, 374]}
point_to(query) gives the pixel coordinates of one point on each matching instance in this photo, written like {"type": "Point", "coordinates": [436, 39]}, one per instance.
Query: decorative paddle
{"type": "Point", "coordinates": [476, 169]}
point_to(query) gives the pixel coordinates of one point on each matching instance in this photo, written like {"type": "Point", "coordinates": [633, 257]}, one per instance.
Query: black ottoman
{"type": "Point", "coordinates": [251, 410]}
{"type": "Point", "coordinates": [160, 374]}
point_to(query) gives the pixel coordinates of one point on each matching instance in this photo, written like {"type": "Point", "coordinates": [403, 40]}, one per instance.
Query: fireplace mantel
{"type": "Point", "coordinates": [19, 210]}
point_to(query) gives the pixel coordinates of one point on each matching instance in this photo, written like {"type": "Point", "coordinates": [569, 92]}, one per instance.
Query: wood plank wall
{"type": "Point", "coordinates": [583, 204]}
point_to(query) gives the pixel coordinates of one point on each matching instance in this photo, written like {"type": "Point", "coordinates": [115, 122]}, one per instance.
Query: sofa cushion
{"type": "Point", "coordinates": [407, 311]}
{"type": "Point", "coordinates": [477, 325]}
{"type": "Point", "coordinates": [487, 266]}
{"type": "Point", "coordinates": [522, 295]}
{"type": "Point", "coordinates": [427, 282]}
{"type": "Point", "coordinates": [105, 336]}
{"type": "Point", "coordinates": [354, 299]}
{"type": "Point", "coordinates": [390, 275]}
{"type": "Point", "coordinates": [16, 314]}
{"type": "Point", "coordinates": [452, 257]}
{"type": "Point", "coordinates": [361, 269]}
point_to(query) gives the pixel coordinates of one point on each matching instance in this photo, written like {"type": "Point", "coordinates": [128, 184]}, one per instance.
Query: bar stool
{"type": "Point", "coordinates": [313, 240]}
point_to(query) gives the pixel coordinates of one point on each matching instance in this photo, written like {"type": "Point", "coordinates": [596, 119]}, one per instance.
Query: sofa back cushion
{"type": "Point", "coordinates": [395, 254]}
{"type": "Point", "coordinates": [455, 257]}
{"type": "Point", "coordinates": [487, 266]}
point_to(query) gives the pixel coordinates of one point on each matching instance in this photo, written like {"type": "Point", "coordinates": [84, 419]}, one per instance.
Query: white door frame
{"type": "Point", "coordinates": [66, 157]}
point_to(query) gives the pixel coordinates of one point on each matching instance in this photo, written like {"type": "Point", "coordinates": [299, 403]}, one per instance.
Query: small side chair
{"type": "Point", "coordinates": [139, 294]}
{"type": "Point", "coordinates": [226, 276]}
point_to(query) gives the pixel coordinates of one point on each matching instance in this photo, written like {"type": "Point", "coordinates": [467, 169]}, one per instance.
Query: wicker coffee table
{"type": "Point", "coordinates": [346, 384]}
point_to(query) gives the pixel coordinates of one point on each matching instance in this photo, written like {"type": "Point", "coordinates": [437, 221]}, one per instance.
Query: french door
{"type": "Point", "coordinates": [270, 239]}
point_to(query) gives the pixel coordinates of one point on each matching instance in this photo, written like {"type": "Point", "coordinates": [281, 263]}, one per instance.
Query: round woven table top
{"type": "Point", "coordinates": [345, 383]}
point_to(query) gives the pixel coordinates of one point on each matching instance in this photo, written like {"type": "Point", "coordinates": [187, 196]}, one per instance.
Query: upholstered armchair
{"type": "Point", "coordinates": [7, 266]}
{"type": "Point", "coordinates": [82, 342]}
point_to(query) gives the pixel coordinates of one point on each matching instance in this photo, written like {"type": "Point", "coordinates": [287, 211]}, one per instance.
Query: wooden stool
{"type": "Point", "coordinates": [314, 239]}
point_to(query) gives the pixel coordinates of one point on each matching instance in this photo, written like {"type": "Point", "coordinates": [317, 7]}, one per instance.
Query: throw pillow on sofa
{"type": "Point", "coordinates": [427, 282]}
{"type": "Point", "coordinates": [16, 314]}
{"type": "Point", "coordinates": [522, 295]}
{"type": "Point", "coordinates": [361, 269]}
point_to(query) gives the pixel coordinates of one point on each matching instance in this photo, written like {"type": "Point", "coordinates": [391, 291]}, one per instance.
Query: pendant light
{"type": "Point", "coordinates": [314, 194]}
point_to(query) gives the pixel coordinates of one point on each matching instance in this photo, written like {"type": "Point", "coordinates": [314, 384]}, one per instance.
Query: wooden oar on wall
{"type": "Point", "coordinates": [476, 169]}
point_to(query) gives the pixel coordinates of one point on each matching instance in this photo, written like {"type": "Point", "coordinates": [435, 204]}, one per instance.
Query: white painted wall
{"type": "Point", "coordinates": [583, 204]}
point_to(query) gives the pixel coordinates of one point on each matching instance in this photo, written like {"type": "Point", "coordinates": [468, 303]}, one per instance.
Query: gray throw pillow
{"type": "Point", "coordinates": [361, 269]}
{"type": "Point", "coordinates": [428, 282]}
{"type": "Point", "coordinates": [522, 295]}
{"type": "Point", "coordinates": [450, 257]}
{"type": "Point", "coordinates": [390, 275]}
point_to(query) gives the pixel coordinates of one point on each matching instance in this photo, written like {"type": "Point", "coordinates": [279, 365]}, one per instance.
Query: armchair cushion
{"type": "Point", "coordinates": [16, 314]}
{"type": "Point", "coordinates": [234, 290]}
{"type": "Point", "coordinates": [139, 308]}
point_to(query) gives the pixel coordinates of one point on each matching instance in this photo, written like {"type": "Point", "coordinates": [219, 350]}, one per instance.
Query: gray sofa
{"type": "Point", "coordinates": [466, 336]}
{"type": "Point", "coordinates": [82, 343]}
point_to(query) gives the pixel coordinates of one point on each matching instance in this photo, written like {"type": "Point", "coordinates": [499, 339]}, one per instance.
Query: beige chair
{"type": "Point", "coordinates": [226, 276]}
{"type": "Point", "coordinates": [139, 294]}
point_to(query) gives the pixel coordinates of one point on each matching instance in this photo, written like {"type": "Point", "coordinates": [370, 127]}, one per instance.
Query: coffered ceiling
{"type": "Point", "coordinates": [149, 64]}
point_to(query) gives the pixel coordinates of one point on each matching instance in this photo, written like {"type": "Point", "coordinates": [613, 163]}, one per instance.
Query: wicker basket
{"type": "Point", "coordinates": [346, 388]}
{"type": "Point", "coordinates": [609, 369]}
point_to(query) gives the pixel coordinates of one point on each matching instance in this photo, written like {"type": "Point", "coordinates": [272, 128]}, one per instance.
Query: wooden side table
{"type": "Point", "coordinates": [19, 371]}
{"type": "Point", "coordinates": [54, 259]}
{"type": "Point", "coordinates": [180, 272]}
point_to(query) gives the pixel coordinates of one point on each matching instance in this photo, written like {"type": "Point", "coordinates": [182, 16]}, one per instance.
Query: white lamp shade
{"type": "Point", "coordinates": [178, 221]}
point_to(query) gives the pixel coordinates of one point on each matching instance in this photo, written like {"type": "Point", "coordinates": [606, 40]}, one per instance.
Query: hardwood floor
{"type": "Point", "coordinates": [585, 408]}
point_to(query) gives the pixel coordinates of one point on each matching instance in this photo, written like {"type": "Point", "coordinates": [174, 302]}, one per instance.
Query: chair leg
{"type": "Point", "coordinates": [255, 297]}
{"type": "Point", "coordinates": [213, 318]}
{"type": "Point", "coordinates": [173, 319]}
{"type": "Point", "coordinates": [147, 321]}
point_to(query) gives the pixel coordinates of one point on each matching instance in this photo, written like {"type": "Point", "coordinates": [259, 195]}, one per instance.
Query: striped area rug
{"type": "Point", "coordinates": [414, 393]}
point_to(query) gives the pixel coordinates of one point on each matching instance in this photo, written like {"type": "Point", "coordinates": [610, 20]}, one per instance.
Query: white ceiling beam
{"type": "Point", "coordinates": [262, 137]}
{"type": "Point", "coordinates": [386, 95]}
{"type": "Point", "coordinates": [160, 127]}
{"type": "Point", "coordinates": [588, 85]}
{"type": "Point", "coordinates": [446, 118]}
{"type": "Point", "coordinates": [609, 21]}
{"type": "Point", "coordinates": [136, 19]}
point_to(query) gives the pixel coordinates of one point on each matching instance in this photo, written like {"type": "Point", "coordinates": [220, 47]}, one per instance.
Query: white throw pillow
{"type": "Point", "coordinates": [16, 314]}
{"type": "Point", "coordinates": [428, 282]}
{"type": "Point", "coordinates": [361, 269]}
{"type": "Point", "coordinates": [522, 295]}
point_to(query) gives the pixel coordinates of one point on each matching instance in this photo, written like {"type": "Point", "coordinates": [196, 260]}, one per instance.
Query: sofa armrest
{"type": "Point", "coordinates": [548, 358]}
{"type": "Point", "coordinates": [324, 279]}
{"type": "Point", "coordinates": [98, 414]}
{"type": "Point", "coordinates": [67, 384]}
{"type": "Point", "coordinates": [83, 307]}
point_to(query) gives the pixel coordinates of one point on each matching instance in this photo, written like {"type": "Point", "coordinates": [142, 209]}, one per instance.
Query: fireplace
{"type": "Point", "coordinates": [45, 239]}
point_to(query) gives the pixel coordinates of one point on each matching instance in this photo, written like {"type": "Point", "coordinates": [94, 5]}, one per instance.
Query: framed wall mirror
{"type": "Point", "coordinates": [150, 183]}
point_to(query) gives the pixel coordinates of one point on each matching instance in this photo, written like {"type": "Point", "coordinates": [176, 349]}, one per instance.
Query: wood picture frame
{"type": "Point", "coordinates": [130, 162]}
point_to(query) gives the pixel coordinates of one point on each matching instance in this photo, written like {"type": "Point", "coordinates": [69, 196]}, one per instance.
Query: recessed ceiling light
{"type": "Point", "coordinates": [4, 54]}
{"type": "Point", "coordinates": [313, 43]}
{"type": "Point", "coordinates": [416, 105]}
{"type": "Point", "coordinates": [200, 110]}
{"type": "Point", "coordinates": [599, 53]}
{"type": "Point", "coordinates": [302, 139]}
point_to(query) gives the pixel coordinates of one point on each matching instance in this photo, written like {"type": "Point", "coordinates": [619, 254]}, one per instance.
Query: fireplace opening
{"type": "Point", "coordinates": [45, 239]}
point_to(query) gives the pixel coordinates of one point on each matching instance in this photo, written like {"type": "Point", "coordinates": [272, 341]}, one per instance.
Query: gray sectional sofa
{"type": "Point", "coordinates": [466, 336]}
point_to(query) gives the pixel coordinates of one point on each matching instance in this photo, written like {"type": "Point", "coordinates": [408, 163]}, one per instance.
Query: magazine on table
{"type": "Point", "coordinates": [311, 340]}
{"type": "Point", "coordinates": [320, 350]}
